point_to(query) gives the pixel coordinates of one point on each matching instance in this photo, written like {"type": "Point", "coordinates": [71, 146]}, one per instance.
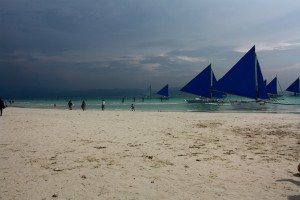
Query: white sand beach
{"type": "Point", "coordinates": [63, 154]}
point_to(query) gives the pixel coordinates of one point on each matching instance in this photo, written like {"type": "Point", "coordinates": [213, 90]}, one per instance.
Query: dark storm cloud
{"type": "Point", "coordinates": [119, 43]}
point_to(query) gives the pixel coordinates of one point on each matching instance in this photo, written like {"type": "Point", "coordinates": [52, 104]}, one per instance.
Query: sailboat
{"type": "Point", "coordinates": [294, 87]}
{"type": "Point", "coordinates": [244, 79]}
{"type": "Point", "coordinates": [201, 85]}
{"type": "Point", "coordinates": [164, 92]}
{"type": "Point", "coordinates": [148, 93]}
{"type": "Point", "coordinates": [272, 88]}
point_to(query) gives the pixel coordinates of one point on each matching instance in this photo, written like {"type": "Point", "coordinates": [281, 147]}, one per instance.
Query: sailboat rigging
{"type": "Point", "coordinates": [244, 79]}
{"type": "Point", "coordinates": [201, 85]}
{"type": "Point", "coordinates": [148, 93]}
{"type": "Point", "coordinates": [272, 88]}
{"type": "Point", "coordinates": [294, 87]}
{"type": "Point", "coordinates": [164, 91]}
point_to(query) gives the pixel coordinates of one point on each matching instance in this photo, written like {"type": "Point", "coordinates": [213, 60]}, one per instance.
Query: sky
{"type": "Point", "coordinates": [107, 44]}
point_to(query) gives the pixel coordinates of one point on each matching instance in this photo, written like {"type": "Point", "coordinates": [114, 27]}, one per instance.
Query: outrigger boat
{"type": "Point", "coordinates": [201, 85]}
{"type": "Point", "coordinates": [272, 89]}
{"type": "Point", "coordinates": [164, 92]}
{"type": "Point", "coordinates": [294, 87]}
{"type": "Point", "coordinates": [245, 79]}
{"type": "Point", "coordinates": [148, 93]}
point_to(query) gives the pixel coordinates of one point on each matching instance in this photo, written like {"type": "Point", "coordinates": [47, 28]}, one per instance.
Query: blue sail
{"type": "Point", "coordinates": [201, 84]}
{"type": "Point", "coordinates": [294, 87]}
{"type": "Point", "coordinates": [261, 85]}
{"type": "Point", "coordinates": [164, 91]}
{"type": "Point", "coordinates": [244, 78]}
{"type": "Point", "coordinates": [240, 79]}
{"type": "Point", "coordinates": [272, 86]}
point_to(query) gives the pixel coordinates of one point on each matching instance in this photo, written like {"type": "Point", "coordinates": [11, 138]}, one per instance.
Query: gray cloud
{"type": "Point", "coordinates": [119, 43]}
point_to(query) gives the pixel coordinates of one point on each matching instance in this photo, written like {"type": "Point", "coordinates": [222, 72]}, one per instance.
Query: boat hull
{"type": "Point", "coordinates": [203, 100]}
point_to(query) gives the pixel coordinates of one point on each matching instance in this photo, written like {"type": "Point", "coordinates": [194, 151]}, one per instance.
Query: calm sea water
{"type": "Point", "coordinates": [287, 103]}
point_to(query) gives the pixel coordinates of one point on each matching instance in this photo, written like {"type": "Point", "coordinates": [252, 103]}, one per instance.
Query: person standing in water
{"type": "Point", "coordinates": [103, 104]}
{"type": "Point", "coordinates": [132, 107]}
{"type": "Point", "coordinates": [70, 104]}
{"type": "Point", "coordinates": [83, 105]}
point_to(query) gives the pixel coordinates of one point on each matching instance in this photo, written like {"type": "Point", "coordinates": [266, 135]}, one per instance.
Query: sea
{"type": "Point", "coordinates": [284, 104]}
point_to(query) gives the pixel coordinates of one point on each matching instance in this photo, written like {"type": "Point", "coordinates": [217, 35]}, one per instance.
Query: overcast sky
{"type": "Point", "coordinates": [91, 44]}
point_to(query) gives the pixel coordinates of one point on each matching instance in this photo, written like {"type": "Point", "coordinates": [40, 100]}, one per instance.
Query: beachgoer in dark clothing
{"type": "Point", "coordinates": [83, 105]}
{"type": "Point", "coordinates": [2, 106]}
{"type": "Point", "coordinates": [133, 99]}
{"type": "Point", "coordinates": [103, 104]}
{"type": "Point", "coordinates": [70, 104]}
{"type": "Point", "coordinates": [132, 107]}
{"type": "Point", "coordinates": [123, 100]}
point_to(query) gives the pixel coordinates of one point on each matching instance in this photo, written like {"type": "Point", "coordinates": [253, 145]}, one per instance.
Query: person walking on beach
{"type": "Point", "coordinates": [70, 104]}
{"type": "Point", "coordinates": [103, 104]}
{"type": "Point", "coordinates": [2, 106]}
{"type": "Point", "coordinates": [132, 107]}
{"type": "Point", "coordinates": [83, 104]}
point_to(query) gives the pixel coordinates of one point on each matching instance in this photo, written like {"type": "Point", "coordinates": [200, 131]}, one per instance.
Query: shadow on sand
{"type": "Point", "coordinates": [296, 197]}
{"type": "Point", "coordinates": [296, 182]}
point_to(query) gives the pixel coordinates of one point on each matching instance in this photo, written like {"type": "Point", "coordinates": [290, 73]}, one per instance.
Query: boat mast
{"type": "Point", "coordinates": [278, 84]}
{"type": "Point", "coordinates": [211, 82]}
{"type": "Point", "coordinates": [256, 79]}
{"type": "Point", "coordinates": [298, 86]}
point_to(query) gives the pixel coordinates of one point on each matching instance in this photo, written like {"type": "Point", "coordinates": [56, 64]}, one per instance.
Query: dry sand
{"type": "Point", "coordinates": [62, 154]}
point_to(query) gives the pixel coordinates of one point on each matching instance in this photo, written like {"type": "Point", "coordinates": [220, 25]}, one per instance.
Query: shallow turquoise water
{"type": "Point", "coordinates": [155, 104]}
